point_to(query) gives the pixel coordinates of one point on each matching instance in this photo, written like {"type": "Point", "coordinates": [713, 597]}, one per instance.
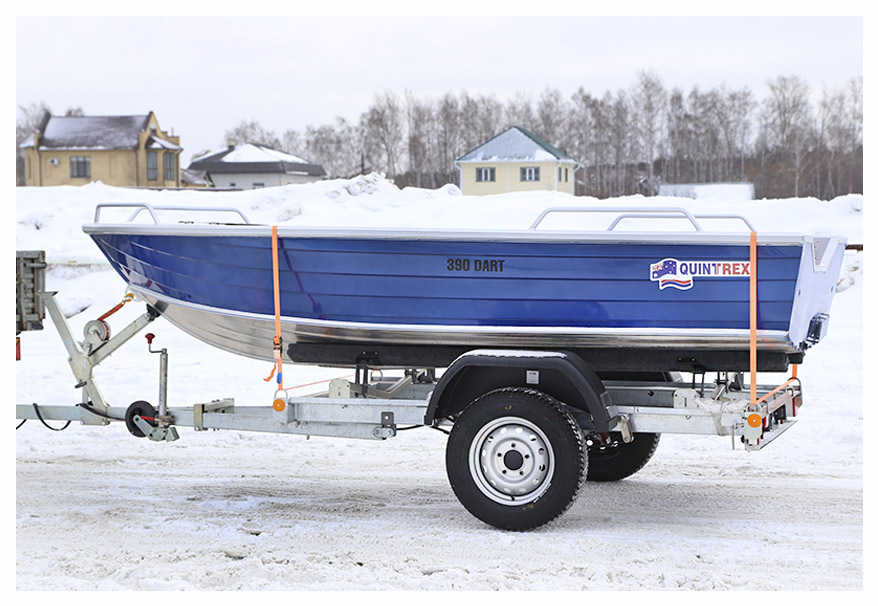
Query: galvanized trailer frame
{"type": "Point", "coordinates": [376, 409]}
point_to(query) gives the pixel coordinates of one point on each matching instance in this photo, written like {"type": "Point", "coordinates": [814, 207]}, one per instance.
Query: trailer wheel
{"type": "Point", "coordinates": [143, 409]}
{"type": "Point", "coordinates": [516, 458]}
{"type": "Point", "coordinates": [615, 460]}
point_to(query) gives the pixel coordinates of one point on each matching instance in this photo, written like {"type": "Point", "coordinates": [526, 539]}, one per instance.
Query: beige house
{"type": "Point", "coordinates": [126, 151]}
{"type": "Point", "coordinates": [515, 160]}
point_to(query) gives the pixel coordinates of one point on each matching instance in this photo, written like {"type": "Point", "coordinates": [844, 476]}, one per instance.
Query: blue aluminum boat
{"type": "Point", "coordinates": [634, 300]}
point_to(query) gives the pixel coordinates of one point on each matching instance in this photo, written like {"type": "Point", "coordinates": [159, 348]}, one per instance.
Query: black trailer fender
{"type": "Point", "coordinates": [562, 375]}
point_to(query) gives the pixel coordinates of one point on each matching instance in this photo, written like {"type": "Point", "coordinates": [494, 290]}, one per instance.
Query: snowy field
{"type": "Point", "coordinates": [99, 509]}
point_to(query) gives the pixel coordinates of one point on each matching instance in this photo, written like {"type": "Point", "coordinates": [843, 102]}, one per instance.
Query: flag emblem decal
{"type": "Point", "coordinates": [673, 273]}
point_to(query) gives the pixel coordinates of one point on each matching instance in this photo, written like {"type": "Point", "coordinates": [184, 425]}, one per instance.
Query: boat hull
{"type": "Point", "coordinates": [435, 290]}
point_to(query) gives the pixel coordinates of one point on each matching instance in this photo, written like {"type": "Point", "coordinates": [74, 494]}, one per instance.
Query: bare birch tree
{"type": "Point", "coordinates": [785, 108]}
{"type": "Point", "coordinates": [250, 131]}
{"type": "Point", "coordinates": [649, 112]}
{"type": "Point", "coordinates": [449, 138]}
{"type": "Point", "coordinates": [27, 122]}
{"type": "Point", "coordinates": [384, 132]}
{"type": "Point", "coordinates": [519, 111]}
{"type": "Point", "coordinates": [551, 117]}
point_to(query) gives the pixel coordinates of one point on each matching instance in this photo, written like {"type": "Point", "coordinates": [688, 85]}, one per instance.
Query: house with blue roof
{"type": "Point", "coordinates": [515, 160]}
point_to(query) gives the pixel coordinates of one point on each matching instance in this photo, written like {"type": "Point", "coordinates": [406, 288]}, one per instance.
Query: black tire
{"type": "Point", "coordinates": [616, 459]}
{"type": "Point", "coordinates": [143, 409]}
{"type": "Point", "coordinates": [545, 452]}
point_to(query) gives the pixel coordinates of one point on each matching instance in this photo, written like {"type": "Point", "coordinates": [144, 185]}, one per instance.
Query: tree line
{"type": "Point", "coordinates": [789, 144]}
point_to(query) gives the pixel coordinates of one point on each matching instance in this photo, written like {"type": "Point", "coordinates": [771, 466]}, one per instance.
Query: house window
{"type": "Point", "coordinates": [485, 175]}
{"type": "Point", "coordinates": [170, 168]}
{"type": "Point", "coordinates": [258, 185]}
{"type": "Point", "coordinates": [559, 173]}
{"type": "Point", "coordinates": [152, 165]}
{"type": "Point", "coordinates": [530, 173]}
{"type": "Point", "coordinates": [565, 175]}
{"type": "Point", "coordinates": [80, 167]}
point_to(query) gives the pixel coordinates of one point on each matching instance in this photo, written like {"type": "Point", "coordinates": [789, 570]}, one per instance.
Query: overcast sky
{"type": "Point", "coordinates": [203, 75]}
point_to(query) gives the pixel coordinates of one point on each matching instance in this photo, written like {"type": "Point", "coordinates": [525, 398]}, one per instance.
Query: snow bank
{"type": "Point", "coordinates": [701, 191]}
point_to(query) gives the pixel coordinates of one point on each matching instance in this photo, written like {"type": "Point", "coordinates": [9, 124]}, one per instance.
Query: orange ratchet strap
{"type": "Point", "coordinates": [278, 341]}
{"type": "Point", "coordinates": [125, 300]}
{"type": "Point", "coordinates": [754, 401]}
{"type": "Point", "coordinates": [753, 295]}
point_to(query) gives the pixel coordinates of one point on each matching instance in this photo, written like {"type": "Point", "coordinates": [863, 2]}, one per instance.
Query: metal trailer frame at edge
{"type": "Point", "coordinates": [653, 408]}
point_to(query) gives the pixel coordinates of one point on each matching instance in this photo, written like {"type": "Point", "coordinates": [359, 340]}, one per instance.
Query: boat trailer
{"type": "Point", "coordinates": [375, 409]}
{"type": "Point", "coordinates": [610, 416]}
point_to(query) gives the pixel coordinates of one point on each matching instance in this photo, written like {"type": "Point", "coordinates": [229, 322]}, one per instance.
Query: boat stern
{"type": "Point", "coordinates": [818, 276]}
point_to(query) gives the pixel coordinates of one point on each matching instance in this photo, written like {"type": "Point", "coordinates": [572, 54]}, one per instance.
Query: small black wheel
{"type": "Point", "coordinates": [615, 460]}
{"type": "Point", "coordinates": [143, 409]}
{"type": "Point", "coordinates": [516, 458]}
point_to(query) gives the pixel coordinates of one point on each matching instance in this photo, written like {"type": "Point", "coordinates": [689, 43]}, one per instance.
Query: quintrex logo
{"type": "Point", "coordinates": [671, 273]}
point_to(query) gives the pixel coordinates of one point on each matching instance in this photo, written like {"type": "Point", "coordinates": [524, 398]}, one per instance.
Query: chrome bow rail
{"type": "Point", "coordinates": [639, 213]}
{"type": "Point", "coordinates": [140, 207]}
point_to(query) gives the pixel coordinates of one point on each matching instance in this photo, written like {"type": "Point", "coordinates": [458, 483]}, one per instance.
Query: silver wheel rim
{"type": "Point", "coordinates": [511, 461]}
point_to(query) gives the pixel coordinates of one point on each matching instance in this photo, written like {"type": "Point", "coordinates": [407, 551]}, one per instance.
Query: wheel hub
{"type": "Point", "coordinates": [511, 461]}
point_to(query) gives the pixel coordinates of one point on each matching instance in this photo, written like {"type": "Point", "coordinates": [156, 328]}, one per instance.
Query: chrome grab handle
{"type": "Point", "coordinates": [140, 207]}
{"type": "Point", "coordinates": [661, 213]}
{"type": "Point", "coordinates": [739, 217]}
{"type": "Point", "coordinates": [639, 213]}
{"type": "Point", "coordinates": [100, 207]}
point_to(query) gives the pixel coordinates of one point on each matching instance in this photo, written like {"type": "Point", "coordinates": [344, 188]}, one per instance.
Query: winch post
{"type": "Point", "coordinates": [79, 362]}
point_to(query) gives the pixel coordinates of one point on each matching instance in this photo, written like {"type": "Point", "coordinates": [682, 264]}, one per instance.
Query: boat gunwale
{"type": "Point", "coordinates": [448, 234]}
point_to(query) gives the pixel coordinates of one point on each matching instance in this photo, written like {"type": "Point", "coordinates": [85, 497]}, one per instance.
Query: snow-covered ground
{"type": "Point", "coordinates": [98, 509]}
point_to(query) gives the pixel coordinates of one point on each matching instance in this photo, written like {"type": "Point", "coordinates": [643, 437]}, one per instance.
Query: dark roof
{"type": "Point", "coordinates": [93, 132]}
{"type": "Point", "coordinates": [276, 162]}
{"type": "Point", "coordinates": [514, 143]}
